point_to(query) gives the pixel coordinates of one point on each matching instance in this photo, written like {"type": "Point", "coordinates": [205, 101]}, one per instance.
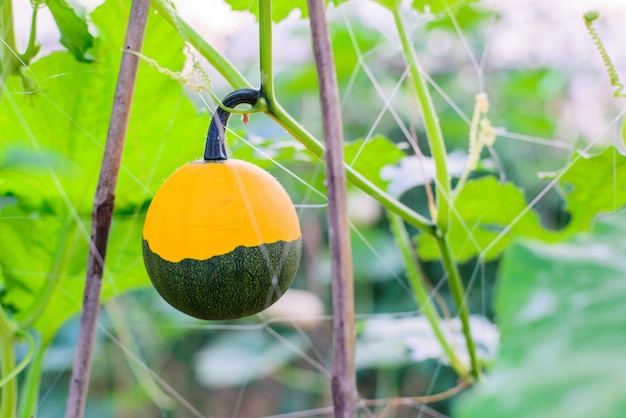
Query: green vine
{"type": "Point", "coordinates": [12, 62]}
{"type": "Point", "coordinates": [8, 385]}
{"type": "Point", "coordinates": [431, 123]}
{"type": "Point", "coordinates": [589, 18]}
{"type": "Point", "coordinates": [421, 292]}
{"type": "Point", "coordinates": [266, 65]}
{"type": "Point", "coordinates": [10, 376]}
{"type": "Point", "coordinates": [8, 60]}
{"type": "Point", "coordinates": [442, 181]}
{"type": "Point", "coordinates": [29, 394]}
{"type": "Point", "coordinates": [230, 73]}
{"type": "Point", "coordinates": [33, 46]}
{"type": "Point", "coordinates": [458, 294]}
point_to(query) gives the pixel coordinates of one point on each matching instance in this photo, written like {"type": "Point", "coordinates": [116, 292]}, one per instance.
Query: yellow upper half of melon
{"type": "Point", "coordinates": [206, 209]}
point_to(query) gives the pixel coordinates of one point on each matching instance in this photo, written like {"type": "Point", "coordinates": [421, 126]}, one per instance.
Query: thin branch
{"type": "Point", "coordinates": [103, 209]}
{"type": "Point", "coordinates": [343, 381]}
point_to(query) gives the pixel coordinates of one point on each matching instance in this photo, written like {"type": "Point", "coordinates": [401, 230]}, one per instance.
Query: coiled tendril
{"type": "Point", "coordinates": [615, 82]}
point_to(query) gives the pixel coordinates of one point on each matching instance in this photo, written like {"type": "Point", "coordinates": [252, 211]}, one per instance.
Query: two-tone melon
{"type": "Point", "coordinates": [221, 239]}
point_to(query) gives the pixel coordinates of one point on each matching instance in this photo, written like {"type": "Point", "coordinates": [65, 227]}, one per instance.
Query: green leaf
{"type": "Point", "coordinates": [438, 6]}
{"type": "Point", "coordinates": [387, 341]}
{"type": "Point", "coordinates": [72, 24]}
{"type": "Point", "coordinates": [561, 312]}
{"type": "Point", "coordinates": [280, 8]}
{"type": "Point", "coordinates": [389, 4]}
{"type": "Point", "coordinates": [487, 208]}
{"type": "Point", "coordinates": [592, 185]}
{"type": "Point", "coordinates": [413, 171]}
{"type": "Point", "coordinates": [45, 234]}
{"type": "Point", "coordinates": [369, 158]}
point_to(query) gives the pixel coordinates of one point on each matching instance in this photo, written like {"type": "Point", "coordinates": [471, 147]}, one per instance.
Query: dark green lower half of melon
{"type": "Point", "coordinates": [240, 283]}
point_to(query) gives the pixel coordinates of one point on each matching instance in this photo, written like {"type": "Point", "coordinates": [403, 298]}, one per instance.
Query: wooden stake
{"type": "Point", "coordinates": [344, 375]}
{"type": "Point", "coordinates": [104, 201]}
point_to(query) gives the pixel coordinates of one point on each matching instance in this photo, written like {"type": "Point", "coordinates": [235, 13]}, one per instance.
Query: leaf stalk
{"type": "Point", "coordinates": [431, 123]}
{"type": "Point", "coordinates": [421, 292]}
{"type": "Point", "coordinates": [458, 294]}
{"type": "Point", "coordinates": [8, 395]}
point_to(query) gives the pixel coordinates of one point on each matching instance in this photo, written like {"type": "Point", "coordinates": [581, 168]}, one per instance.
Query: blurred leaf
{"type": "Point", "coordinates": [23, 158]}
{"type": "Point", "coordinates": [413, 171]}
{"type": "Point", "coordinates": [369, 158]}
{"type": "Point", "coordinates": [396, 342]}
{"type": "Point", "coordinates": [527, 93]}
{"type": "Point", "coordinates": [593, 184]}
{"type": "Point", "coordinates": [378, 255]}
{"type": "Point", "coordinates": [467, 16]}
{"type": "Point", "coordinates": [7, 201]}
{"type": "Point", "coordinates": [72, 24]}
{"type": "Point", "coordinates": [487, 209]}
{"type": "Point", "coordinates": [437, 6]}
{"type": "Point", "coordinates": [45, 235]}
{"type": "Point", "coordinates": [561, 311]}
{"type": "Point", "coordinates": [280, 8]}
{"type": "Point", "coordinates": [389, 4]}
{"type": "Point", "coordinates": [235, 359]}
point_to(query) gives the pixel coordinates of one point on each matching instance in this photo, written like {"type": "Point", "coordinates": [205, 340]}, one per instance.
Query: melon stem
{"type": "Point", "coordinates": [215, 149]}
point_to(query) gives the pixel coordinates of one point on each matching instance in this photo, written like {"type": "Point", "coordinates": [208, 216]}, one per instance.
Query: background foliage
{"type": "Point", "coordinates": [558, 289]}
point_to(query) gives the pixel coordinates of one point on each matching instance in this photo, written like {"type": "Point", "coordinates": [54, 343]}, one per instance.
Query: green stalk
{"type": "Point", "coordinates": [265, 50]}
{"type": "Point", "coordinates": [438, 151]}
{"type": "Point", "coordinates": [8, 377]}
{"type": "Point", "coordinates": [33, 46]}
{"type": "Point", "coordinates": [8, 61]}
{"type": "Point", "coordinates": [421, 291]}
{"type": "Point", "coordinates": [431, 123]}
{"type": "Point", "coordinates": [8, 397]}
{"type": "Point", "coordinates": [30, 390]}
{"type": "Point", "coordinates": [221, 64]}
{"type": "Point", "coordinates": [456, 287]}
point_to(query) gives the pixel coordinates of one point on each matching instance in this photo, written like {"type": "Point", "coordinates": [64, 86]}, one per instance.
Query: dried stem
{"type": "Point", "coordinates": [103, 209]}
{"type": "Point", "coordinates": [343, 376]}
